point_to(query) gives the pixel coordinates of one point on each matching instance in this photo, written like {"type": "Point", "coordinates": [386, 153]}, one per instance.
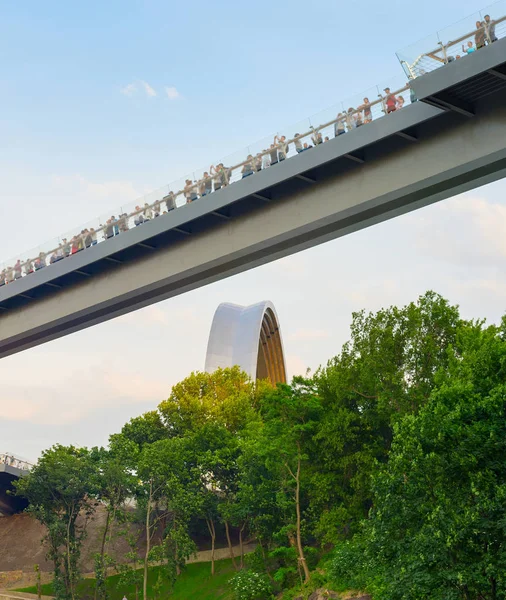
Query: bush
{"type": "Point", "coordinates": [249, 585]}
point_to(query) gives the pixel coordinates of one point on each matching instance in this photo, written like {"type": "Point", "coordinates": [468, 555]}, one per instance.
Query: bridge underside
{"type": "Point", "coordinates": [451, 141]}
{"type": "Point", "coordinates": [9, 504]}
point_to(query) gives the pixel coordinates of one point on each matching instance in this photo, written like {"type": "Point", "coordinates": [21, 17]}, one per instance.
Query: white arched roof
{"type": "Point", "coordinates": [248, 336]}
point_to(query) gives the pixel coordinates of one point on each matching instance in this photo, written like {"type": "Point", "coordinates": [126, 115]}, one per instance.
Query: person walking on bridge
{"type": "Point", "coordinates": [479, 36]}
{"type": "Point", "coordinates": [490, 29]}
{"type": "Point", "coordinates": [390, 101]}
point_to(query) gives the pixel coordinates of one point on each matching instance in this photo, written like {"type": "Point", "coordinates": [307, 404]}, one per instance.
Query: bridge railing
{"type": "Point", "coordinates": [13, 461]}
{"type": "Point", "coordinates": [337, 120]}
{"type": "Point", "coordinates": [429, 54]}
{"type": "Point", "coordinates": [452, 43]}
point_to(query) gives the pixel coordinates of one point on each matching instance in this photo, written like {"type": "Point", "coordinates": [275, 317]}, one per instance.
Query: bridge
{"type": "Point", "coordinates": [450, 139]}
{"type": "Point", "coordinates": [11, 469]}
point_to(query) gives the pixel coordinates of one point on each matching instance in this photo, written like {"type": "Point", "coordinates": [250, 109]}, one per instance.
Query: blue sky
{"type": "Point", "coordinates": [74, 143]}
{"type": "Point", "coordinates": [243, 70]}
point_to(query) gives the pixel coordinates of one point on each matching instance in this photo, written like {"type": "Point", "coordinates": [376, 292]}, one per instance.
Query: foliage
{"type": "Point", "coordinates": [385, 371]}
{"type": "Point", "coordinates": [391, 457]}
{"type": "Point", "coordinates": [250, 585]}
{"type": "Point", "coordinates": [227, 397]}
{"type": "Point", "coordinates": [61, 490]}
{"type": "Point", "coordinates": [114, 485]}
{"type": "Point", "coordinates": [438, 528]}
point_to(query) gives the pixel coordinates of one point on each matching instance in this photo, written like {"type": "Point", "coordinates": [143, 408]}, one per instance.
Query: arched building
{"type": "Point", "coordinates": [248, 336]}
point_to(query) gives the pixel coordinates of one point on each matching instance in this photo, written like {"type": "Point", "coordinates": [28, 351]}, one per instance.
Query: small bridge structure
{"type": "Point", "coordinates": [11, 469]}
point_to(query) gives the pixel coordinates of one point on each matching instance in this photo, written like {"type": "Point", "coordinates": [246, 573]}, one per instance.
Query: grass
{"type": "Point", "coordinates": [195, 582]}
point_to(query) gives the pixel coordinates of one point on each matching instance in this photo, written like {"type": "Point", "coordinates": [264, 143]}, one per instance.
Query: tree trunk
{"type": "Point", "coordinates": [300, 549]}
{"type": "Point", "coordinates": [266, 566]}
{"type": "Point", "coordinates": [148, 542]}
{"type": "Point", "coordinates": [241, 546]}
{"type": "Point", "coordinates": [230, 548]}
{"type": "Point", "coordinates": [178, 568]}
{"type": "Point", "coordinates": [39, 582]}
{"type": "Point", "coordinates": [102, 551]}
{"type": "Point", "coordinates": [493, 583]}
{"type": "Point", "coordinates": [70, 578]}
{"type": "Point", "coordinates": [212, 533]}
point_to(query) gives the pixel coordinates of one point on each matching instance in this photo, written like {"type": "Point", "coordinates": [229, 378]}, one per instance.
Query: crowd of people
{"type": "Point", "coordinates": [219, 176]}
{"type": "Point", "coordinates": [485, 35]}
{"type": "Point", "coordinates": [12, 461]}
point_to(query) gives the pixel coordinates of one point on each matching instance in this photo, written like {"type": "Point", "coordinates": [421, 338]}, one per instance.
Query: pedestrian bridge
{"type": "Point", "coordinates": [452, 139]}
{"type": "Point", "coordinates": [11, 469]}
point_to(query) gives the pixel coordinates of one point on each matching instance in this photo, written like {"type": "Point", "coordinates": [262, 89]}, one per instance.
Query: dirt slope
{"type": "Point", "coordinates": [21, 548]}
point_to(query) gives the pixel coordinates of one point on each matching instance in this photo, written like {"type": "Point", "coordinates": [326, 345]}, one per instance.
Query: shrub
{"type": "Point", "coordinates": [249, 585]}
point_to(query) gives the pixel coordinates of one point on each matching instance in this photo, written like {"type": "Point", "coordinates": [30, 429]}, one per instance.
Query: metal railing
{"type": "Point", "coordinates": [455, 42]}
{"type": "Point", "coordinates": [362, 109]}
{"type": "Point", "coordinates": [13, 461]}
{"type": "Point", "coordinates": [374, 103]}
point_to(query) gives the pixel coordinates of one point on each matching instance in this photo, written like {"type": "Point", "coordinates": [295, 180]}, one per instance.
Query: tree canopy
{"type": "Point", "coordinates": [387, 463]}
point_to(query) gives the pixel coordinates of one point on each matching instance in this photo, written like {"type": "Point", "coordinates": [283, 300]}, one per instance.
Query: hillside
{"type": "Point", "coordinates": [21, 548]}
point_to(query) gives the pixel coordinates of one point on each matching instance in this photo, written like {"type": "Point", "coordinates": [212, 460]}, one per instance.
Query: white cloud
{"type": "Point", "coordinates": [148, 89]}
{"type": "Point", "coordinates": [78, 393]}
{"type": "Point", "coordinates": [129, 89]}
{"type": "Point", "coordinates": [465, 230]}
{"type": "Point", "coordinates": [172, 93]}
{"type": "Point", "coordinates": [132, 88]}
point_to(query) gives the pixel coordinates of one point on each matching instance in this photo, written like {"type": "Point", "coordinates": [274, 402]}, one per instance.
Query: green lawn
{"type": "Point", "coordinates": [195, 582]}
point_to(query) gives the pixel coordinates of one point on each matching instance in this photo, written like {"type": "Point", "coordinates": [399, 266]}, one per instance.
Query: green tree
{"type": "Point", "coordinates": [169, 496]}
{"type": "Point", "coordinates": [114, 485]}
{"type": "Point", "coordinates": [227, 397]}
{"type": "Point", "coordinates": [291, 415]}
{"type": "Point", "coordinates": [137, 433]}
{"type": "Point", "coordinates": [61, 491]}
{"type": "Point", "coordinates": [438, 527]}
{"type": "Point", "coordinates": [212, 410]}
{"type": "Point", "coordinates": [131, 573]}
{"type": "Point", "coordinates": [385, 371]}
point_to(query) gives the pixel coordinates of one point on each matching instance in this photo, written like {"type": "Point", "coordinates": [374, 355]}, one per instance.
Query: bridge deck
{"type": "Point", "coordinates": [449, 96]}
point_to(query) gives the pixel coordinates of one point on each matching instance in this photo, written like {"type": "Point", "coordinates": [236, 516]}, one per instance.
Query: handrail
{"type": "Point", "coordinates": [442, 47]}
{"type": "Point", "coordinates": [17, 463]}
{"type": "Point", "coordinates": [201, 182]}
{"type": "Point", "coordinates": [222, 176]}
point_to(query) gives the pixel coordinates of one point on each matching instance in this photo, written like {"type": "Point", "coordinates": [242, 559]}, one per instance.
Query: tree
{"type": "Point", "coordinates": [212, 410]}
{"type": "Point", "coordinates": [226, 396]}
{"type": "Point", "coordinates": [61, 491]}
{"type": "Point", "coordinates": [217, 451]}
{"type": "Point", "coordinates": [137, 433]}
{"type": "Point", "coordinates": [114, 485]}
{"type": "Point", "coordinates": [291, 414]}
{"type": "Point", "coordinates": [131, 573]}
{"type": "Point", "coordinates": [438, 530]}
{"type": "Point", "coordinates": [385, 371]}
{"type": "Point", "coordinates": [168, 495]}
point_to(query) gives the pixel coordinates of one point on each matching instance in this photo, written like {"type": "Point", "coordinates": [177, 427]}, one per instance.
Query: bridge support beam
{"type": "Point", "coordinates": [447, 159]}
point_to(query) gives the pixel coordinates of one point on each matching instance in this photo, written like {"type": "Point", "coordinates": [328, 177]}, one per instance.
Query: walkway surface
{"type": "Point", "coordinates": [7, 595]}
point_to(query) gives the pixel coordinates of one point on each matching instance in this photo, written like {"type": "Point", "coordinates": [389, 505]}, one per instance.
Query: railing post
{"type": "Point", "coordinates": [409, 71]}
{"type": "Point", "coordinates": [443, 50]}
{"type": "Point", "coordinates": [383, 105]}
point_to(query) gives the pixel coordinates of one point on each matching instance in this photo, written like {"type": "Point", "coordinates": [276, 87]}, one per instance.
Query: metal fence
{"type": "Point", "coordinates": [344, 118]}
{"type": "Point", "coordinates": [13, 461]}
{"type": "Point", "coordinates": [455, 42]}
{"type": "Point", "coordinates": [472, 34]}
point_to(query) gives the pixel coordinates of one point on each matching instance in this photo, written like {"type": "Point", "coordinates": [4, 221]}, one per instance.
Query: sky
{"type": "Point", "coordinates": [102, 102]}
